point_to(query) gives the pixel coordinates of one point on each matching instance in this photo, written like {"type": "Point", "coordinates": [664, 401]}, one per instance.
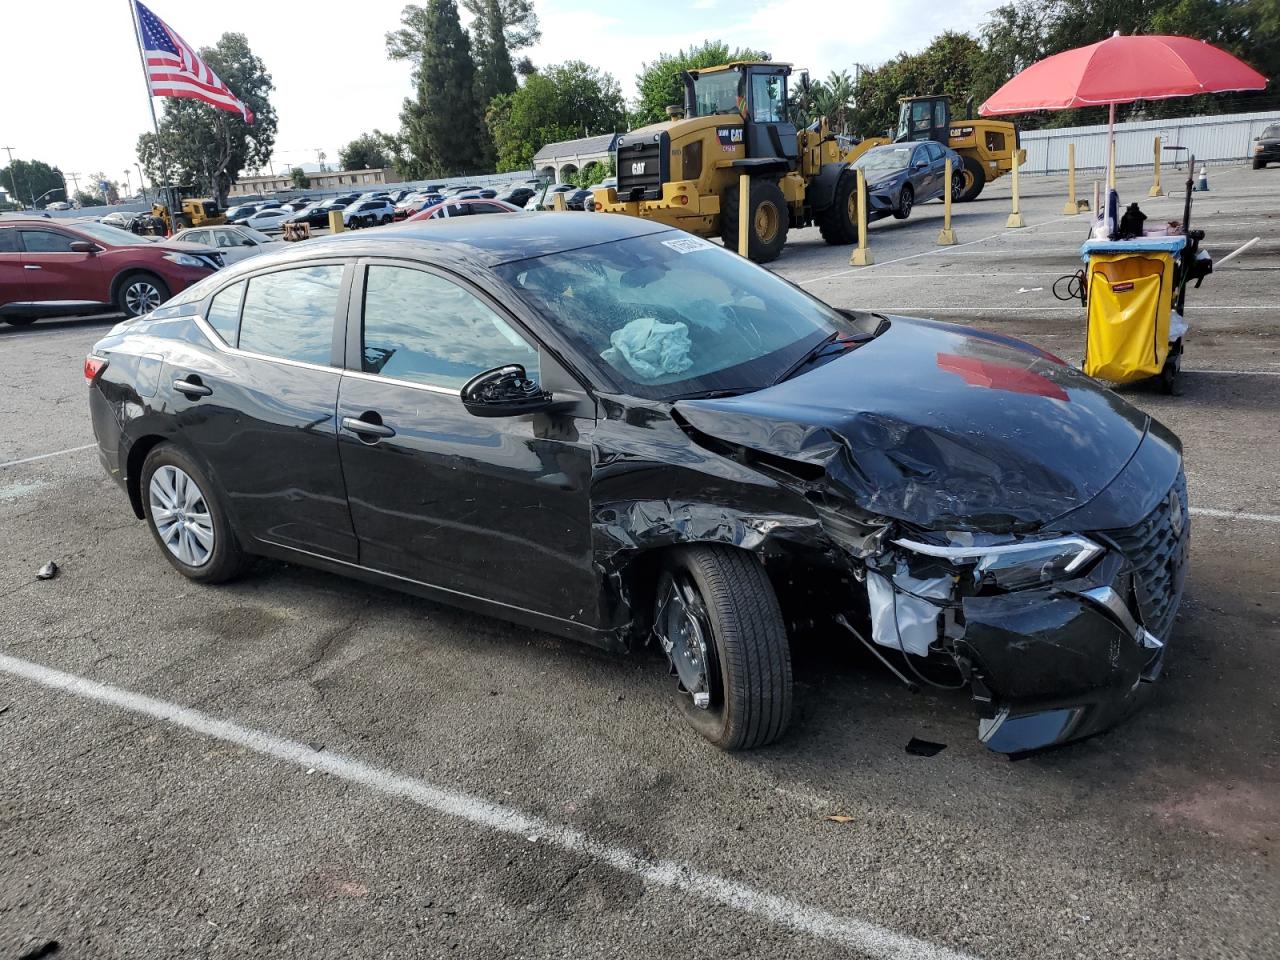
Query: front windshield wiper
{"type": "Point", "coordinates": [714, 394]}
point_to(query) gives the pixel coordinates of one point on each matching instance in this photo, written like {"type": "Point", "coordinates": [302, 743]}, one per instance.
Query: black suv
{"type": "Point", "coordinates": [1266, 149]}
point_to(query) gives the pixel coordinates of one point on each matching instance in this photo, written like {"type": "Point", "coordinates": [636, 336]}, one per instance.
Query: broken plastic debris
{"type": "Point", "coordinates": [839, 818]}
{"type": "Point", "coordinates": [48, 571]}
{"type": "Point", "coordinates": [924, 748]}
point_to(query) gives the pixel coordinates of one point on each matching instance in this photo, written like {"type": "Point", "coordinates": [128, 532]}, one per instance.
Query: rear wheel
{"type": "Point", "coordinates": [906, 200]}
{"type": "Point", "coordinates": [140, 293]}
{"type": "Point", "coordinates": [187, 518]}
{"type": "Point", "coordinates": [838, 223]}
{"type": "Point", "coordinates": [717, 618]}
{"type": "Point", "coordinates": [973, 179]}
{"type": "Point", "coordinates": [767, 221]}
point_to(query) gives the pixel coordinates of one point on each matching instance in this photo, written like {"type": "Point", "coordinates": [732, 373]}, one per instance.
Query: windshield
{"type": "Point", "coordinates": [668, 315]}
{"type": "Point", "coordinates": [108, 235]}
{"type": "Point", "coordinates": [885, 159]}
{"type": "Point", "coordinates": [1271, 133]}
{"type": "Point", "coordinates": [716, 93]}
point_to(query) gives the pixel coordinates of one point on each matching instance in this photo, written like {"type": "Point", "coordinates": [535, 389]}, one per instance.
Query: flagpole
{"type": "Point", "coordinates": [155, 124]}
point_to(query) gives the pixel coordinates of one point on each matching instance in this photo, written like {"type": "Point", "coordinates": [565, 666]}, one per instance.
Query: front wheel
{"type": "Point", "coordinates": [1259, 164]}
{"type": "Point", "coordinates": [717, 618]}
{"type": "Point", "coordinates": [140, 294]}
{"type": "Point", "coordinates": [187, 519]}
{"type": "Point", "coordinates": [906, 200]}
{"type": "Point", "coordinates": [767, 220]}
{"type": "Point", "coordinates": [838, 223]}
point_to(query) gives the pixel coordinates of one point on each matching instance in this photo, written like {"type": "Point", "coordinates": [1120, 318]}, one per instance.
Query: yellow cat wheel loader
{"type": "Point", "coordinates": [985, 146]}
{"type": "Point", "coordinates": [686, 172]}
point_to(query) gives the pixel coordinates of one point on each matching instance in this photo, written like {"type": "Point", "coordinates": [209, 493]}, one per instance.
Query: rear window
{"type": "Point", "coordinates": [224, 312]}
{"type": "Point", "coordinates": [290, 313]}
{"type": "Point", "coordinates": [8, 241]}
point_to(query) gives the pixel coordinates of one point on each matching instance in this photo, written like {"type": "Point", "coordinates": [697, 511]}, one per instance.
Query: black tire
{"type": "Point", "coordinates": [227, 559]}
{"type": "Point", "coordinates": [975, 179]}
{"type": "Point", "coordinates": [906, 200]}
{"type": "Point", "coordinates": [768, 208]}
{"type": "Point", "coordinates": [1259, 164]}
{"type": "Point", "coordinates": [132, 298]}
{"type": "Point", "coordinates": [838, 223]}
{"type": "Point", "coordinates": [387, 219]}
{"type": "Point", "coordinates": [749, 658]}
{"type": "Point", "coordinates": [20, 321]}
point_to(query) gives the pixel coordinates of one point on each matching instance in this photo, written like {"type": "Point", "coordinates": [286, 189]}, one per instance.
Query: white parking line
{"type": "Point", "coordinates": [861, 935]}
{"type": "Point", "coordinates": [1233, 515]}
{"type": "Point", "coordinates": [46, 456]}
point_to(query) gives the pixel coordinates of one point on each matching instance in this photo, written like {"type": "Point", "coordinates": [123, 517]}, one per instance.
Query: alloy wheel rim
{"type": "Point", "coordinates": [852, 204]}
{"type": "Point", "coordinates": [906, 203]}
{"type": "Point", "coordinates": [684, 633]}
{"type": "Point", "coordinates": [181, 515]}
{"type": "Point", "coordinates": [141, 297]}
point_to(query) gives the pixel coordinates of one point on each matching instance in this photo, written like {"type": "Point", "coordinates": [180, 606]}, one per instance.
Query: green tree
{"type": "Point", "coordinates": [519, 24]}
{"type": "Point", "coordinates": [562, 102]}
{"type": "Point", "coordinates": [442, 125]}
{"type": "Point", "coordinates": [83, 198]}
{"type": "Point", "coordinates": [207, 147]}
{"type": "Point", "coordinates": [495, 73]}
{"type": "Point", "coordinates": [946, 66]}
{"type": "Point", "coordinates": [28, 180]}
{"type": "Point", "coordinates": [658, 83]}
{"type": "Point", "coordinates": [365, 152]}
{"type": "Point", "coordinates": [300, 179]}
{"type": "Point", "coordinates": [833, 99]}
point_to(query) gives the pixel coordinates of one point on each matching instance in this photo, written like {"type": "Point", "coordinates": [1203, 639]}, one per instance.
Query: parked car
{"type": "Point", "coordinates": [300, 203]}
{"type": "Point", "coordinates": [242, 212]}
{"type": "Point", "coordinates": [575, 199]}
{"type": "Point", "coordinates": [121, 219]}
{"type": "Point", "coordinates": [463, 207]}
{"type": "Point", "coordinates": [315, 215]}
{"type": "Point", "coordinates": [547, 199]}
{"type": "Point", "coordinates": [52, 268]}
{"type": "Point", "coordinates": [699, 471]}
{"type": "Point", "coordinates": [901, 175]}
{"type": "Point", "coordinates": [272, 218]}
{"type": "Point", "coordinates": [58, 205]}
{"type": "Point", "coordinates": [235, 243]}
{"type": "Point", "coordinates": [415, 202]}
{"type": "Point", "coordinates": [1266, 149]}
{"type": "Point", "coordinates": [518, 196]}
{"type": "Point", "coordinates": [590, 203]}
{"type": "Point", "coordinates": [482, 194]}
{"type": "Point", "coordinates": [368, 213]}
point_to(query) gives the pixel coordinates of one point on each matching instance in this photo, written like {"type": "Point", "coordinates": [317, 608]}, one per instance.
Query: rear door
{"type": "Point", "coordinates": [259, 406]}
{"type": "Point", "coordinates": [13, 283]}
{"type": "Point", "coordinates": [495, 508]}
{"type": "Point", "coordinates": [57, 274]}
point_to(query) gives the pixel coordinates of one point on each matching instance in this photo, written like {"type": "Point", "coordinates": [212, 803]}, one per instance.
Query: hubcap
{"type": "Point", "coordinates": [684, 632]}
{"type": "Point", "coordinates": [181, 516]}
{"type": "Point", "coordinates": [766, 222]}
{"type": "Point", "coordinates": [141, 297]}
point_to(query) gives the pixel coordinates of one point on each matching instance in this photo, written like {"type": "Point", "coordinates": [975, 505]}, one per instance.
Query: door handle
{"type": "Point", "coordinates": [31, 266]}
{"type": "Point", "coordinates": [355, 425]}
{"type": "Point", "coordinates": [192, 389]}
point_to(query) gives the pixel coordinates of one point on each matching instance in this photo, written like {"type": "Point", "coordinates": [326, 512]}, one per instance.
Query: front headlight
{"type": "Point", "coordinates": [1015, 564]}
{"type": "Point", "coordinates": [184, 260]}
{"type": "Point", "coordinates": [884, 184]}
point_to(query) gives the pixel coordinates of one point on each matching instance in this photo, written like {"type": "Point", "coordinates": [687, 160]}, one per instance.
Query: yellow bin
{"type": "Point", "coordinates": [1130, 301]}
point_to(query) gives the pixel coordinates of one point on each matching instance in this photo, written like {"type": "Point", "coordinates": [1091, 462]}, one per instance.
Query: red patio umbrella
{"type": "Point", "coordinates": [1122, 69]}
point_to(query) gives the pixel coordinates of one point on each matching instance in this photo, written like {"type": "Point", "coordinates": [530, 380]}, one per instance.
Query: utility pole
{"type": "Point", "coordinates": [75, 181]}
{"type": "Point", "coordinates": [128, 187]}
{"type": "Point", "coordinates": [13, 175]}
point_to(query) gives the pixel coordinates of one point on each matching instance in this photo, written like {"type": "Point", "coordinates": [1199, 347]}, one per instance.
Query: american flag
{"type": "Point", "coordinates": [174, 69]}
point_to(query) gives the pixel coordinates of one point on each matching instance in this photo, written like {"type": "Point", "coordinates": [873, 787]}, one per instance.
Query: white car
{"type": "Point", "coordinates": [270, 219]}
{"type": "Point", "coordinates": [235, 243]}
{"type": "Point", "coordinates": [59, 205]}
{"type": "Point", "coordinates": [367, 213]}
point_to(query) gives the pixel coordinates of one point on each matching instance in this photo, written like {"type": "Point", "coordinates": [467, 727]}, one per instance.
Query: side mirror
{"type": "Point", "coordinates": [920, 165]}
{"type": "Point", "coordinates": [246, 242]}
{"type": "Point", "coordinates": [503, 392]}
{"type": "Point", "coordinates": [82, 246]}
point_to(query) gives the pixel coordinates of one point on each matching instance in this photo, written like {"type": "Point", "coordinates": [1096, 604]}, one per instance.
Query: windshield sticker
{"type": "Point", "coordinates": [688, 244]}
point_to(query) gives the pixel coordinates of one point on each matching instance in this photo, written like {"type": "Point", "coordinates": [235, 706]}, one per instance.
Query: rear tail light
{"type": "Point", "coordinates": [93, 366]}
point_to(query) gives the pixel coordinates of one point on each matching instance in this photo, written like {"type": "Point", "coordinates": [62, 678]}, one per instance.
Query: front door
{"type": "Point", "coordinates": [57, 274]}
{"type": "Point", "coordinates": [259, 406]}
{"type": "Point", "coordinates": [13, 282]}
{"type": "Point", "coordinates": [495, 508]}
{"type": "Point", "coordinates": [769, 133]}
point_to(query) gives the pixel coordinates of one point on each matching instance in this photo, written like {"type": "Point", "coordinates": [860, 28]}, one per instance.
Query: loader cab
{"type": "Point", "coordinates": [752, 97]}
{"type": "Point", "coordinates": [924, 118]}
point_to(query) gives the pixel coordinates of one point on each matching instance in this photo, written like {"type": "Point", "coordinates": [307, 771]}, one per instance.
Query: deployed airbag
{"type": "Point", "coordinates": [652, 348]}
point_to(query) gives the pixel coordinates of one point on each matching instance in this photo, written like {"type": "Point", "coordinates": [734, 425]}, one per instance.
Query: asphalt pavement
{"type": "Point", "coordinates": [300, 765]}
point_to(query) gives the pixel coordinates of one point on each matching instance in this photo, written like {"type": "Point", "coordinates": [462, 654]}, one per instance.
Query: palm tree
{"type": "Point", "coordinates": [833, 99]}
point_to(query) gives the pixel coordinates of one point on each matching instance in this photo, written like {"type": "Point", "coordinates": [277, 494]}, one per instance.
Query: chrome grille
{"type": "Point", "coordinates": [1158, 548]}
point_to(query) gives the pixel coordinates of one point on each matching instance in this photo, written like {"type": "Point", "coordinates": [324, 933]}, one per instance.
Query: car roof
{"type": "Point", "coordinates": [487, 241]}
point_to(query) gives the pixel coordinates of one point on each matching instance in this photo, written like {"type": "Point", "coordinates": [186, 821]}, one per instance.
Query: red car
{"type": "Point", "coordinates": [51, 268]}
{"type": "Point", "coordinates": [462, 208]}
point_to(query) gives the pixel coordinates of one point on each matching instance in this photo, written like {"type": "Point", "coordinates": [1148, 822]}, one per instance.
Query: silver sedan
{"type": "Point", "coordinates": [235, 243]}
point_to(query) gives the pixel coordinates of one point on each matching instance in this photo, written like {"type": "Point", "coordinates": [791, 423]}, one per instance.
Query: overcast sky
{"type": "Point", "coordinates": [72, 94]}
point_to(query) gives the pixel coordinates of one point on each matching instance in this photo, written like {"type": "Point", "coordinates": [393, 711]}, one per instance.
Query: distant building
{"type": "Point", "coordinates": [336, 181]}
{"type": "Point", "coordinates": [556, 161]}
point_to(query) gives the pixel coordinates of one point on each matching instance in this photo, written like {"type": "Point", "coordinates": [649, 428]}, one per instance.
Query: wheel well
{"type": "Point", "coordinates": [119, 281]}
{"type": "Point", "coordinates": [133, 470]}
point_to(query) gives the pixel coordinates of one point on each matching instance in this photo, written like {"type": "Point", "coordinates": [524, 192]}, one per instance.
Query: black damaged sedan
{"type": "Point", "coordinates": [623, 434]}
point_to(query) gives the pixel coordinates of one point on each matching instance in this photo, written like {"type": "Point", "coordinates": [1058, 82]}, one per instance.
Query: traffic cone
{"type": "Point", "coordinates": [1202, 184]}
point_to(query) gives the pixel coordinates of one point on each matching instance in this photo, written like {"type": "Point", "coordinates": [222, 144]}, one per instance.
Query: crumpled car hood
{"type": "Point", "coordinates": [942, 427]}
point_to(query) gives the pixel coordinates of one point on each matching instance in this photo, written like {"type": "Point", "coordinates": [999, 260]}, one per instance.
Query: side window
{"type": "Point", "coordinates": [766, 98]}
{"type": "Point", "coordinates": [935, 151]}
{"type": "Point", "coordinates": [45, 241]}
{"type": "Point", "coordinates": [456, 210]}
{"type": "Point", "coordinates": [487, 208]}
{"type": "Point", "coordinates": [939, 113]}
{"type": "Point", "coordinates": [8, 241]}
{"type": "Point", "coordinates": [224, 312]}
{"type": "Point", "coordinates": [426, 329]}
{"type": "Point", "coordinates": [290, 313]}
{"type": "Point", "coordinates": [921, 113]}
{"type": "Point", "coordinates": [197, 236]}
{"type": "Point", "coordinates": [228, 239]}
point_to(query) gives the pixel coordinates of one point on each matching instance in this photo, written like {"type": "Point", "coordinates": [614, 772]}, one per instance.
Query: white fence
{"type": "Point", "coordinates": [1224, 138]}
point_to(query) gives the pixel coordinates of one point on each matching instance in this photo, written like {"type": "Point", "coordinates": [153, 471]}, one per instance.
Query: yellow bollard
{"type": "Point", "coordinates": [744, 214]}
{"type": "Point", "coordinates": [1074, 205]}
{"type": "Point", "coordinates": [557, 201]}
{"type": "Point", "coordinates": [1015, 218]}
{"type": "Point", "coordinates": [861, 256]}
{"type": "Point", "coordinates": [946, 236]}
{"type": "Point", "coordinates": [1156, 190]}
{"type": "Point", "coordinates": [335, 221]}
